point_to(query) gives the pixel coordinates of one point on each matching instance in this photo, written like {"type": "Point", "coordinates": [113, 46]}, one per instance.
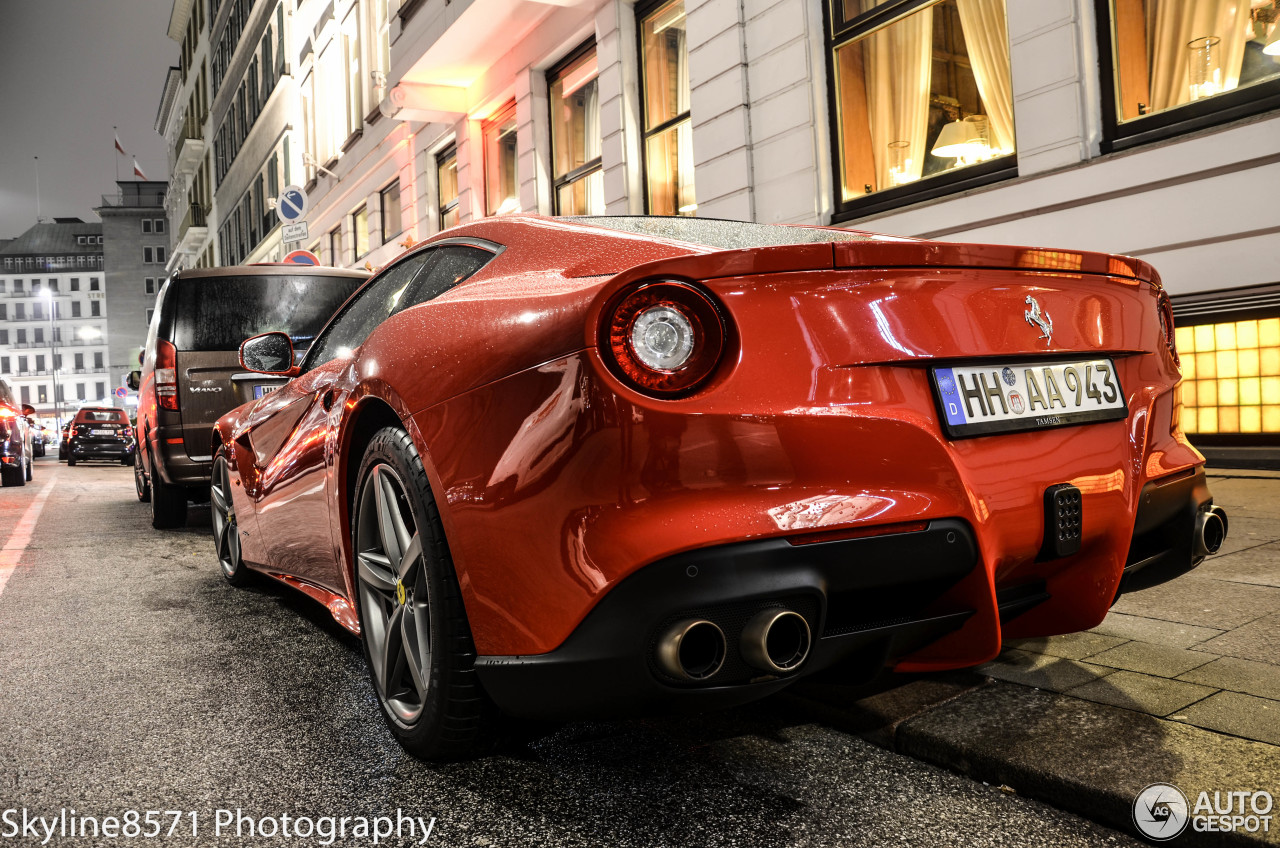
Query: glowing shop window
{"type": "Point", "coordinates": [1231, 377]}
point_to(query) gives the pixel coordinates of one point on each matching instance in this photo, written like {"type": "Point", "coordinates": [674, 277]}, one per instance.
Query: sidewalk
{"type": "Point", "coordinates": [1203, 649]}
{"type": "Point", "coordinates": [1179, 684]}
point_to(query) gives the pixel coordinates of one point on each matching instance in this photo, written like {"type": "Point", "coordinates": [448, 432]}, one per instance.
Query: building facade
{"type": "Point", "coordinates": [135, 246]}
{"type": "Point", "coordinates": [53, 317]}
{"type": "Point", "coordinates": [1145, 127]}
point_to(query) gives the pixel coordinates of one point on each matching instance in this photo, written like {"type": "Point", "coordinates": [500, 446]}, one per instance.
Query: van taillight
{"type": "Point", "coordinates": [166, 376]}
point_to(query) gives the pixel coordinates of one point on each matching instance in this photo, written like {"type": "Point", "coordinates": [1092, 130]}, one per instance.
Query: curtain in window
{"type": "Point", "coordinates": [591, 140]}
{"type": "Point", "coordinates": [1171, 24]}
{"type": "Point", "coordinates": [987, 38]}
{"type": "Point", "coordinates": [898, 64]}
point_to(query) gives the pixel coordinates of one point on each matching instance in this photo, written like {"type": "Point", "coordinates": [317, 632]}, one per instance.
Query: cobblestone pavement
{"type": "Point", "coordinates": [1203, 649]}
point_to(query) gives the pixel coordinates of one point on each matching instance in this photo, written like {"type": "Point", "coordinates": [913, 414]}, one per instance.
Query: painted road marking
{"type": "Point", "coordinates": [21, 535]}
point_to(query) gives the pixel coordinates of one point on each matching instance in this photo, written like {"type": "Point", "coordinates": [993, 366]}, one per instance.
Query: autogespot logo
{"type": "Point", "coordinates": [1160, 812]}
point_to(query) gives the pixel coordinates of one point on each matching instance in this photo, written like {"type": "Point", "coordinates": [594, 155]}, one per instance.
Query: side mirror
{"type": "Point", "coordinates": [28, 410]}
{"type": "Point", "coordinates": [269, 353]}
{"type": "Point", "coordinates": [133, 380]}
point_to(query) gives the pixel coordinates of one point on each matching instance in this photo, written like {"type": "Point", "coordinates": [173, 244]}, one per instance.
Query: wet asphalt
{"type": "Point", "coordinates": [132, 678]}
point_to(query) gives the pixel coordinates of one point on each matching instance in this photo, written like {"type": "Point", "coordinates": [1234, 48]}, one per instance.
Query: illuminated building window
{"type": "Point", "coordinates": [1231, 377]}
{"type": "Point", "coordinates": [577, 178]}
{"type": "Point", "coordinates": [668, 133]}
{"type": "Point", "coordinates": [359, 233]}
{"type": "Point", "coordinates": [392, 223]}
{"type": "Point", "coordinates": [1171, 53]}
{"type": "Point", "coordinates": [447, 187]}
{"type": "Point", "coordinates": [923, 97]}
{"type": "Point", "coordinates": [502, 187]}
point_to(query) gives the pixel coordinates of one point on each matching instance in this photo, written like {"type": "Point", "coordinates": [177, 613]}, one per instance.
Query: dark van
{"type": "Point", "coordinates": [191, 372]}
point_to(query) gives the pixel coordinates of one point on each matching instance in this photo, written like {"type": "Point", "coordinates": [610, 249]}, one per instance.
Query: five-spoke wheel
{"type": "Point", "coordinates": [416, 637]}
{"type": "Point", "coordinates": [140, 483]}
{"type": "Point", "coordinates": [393, 593]}
{"type": "Point", "coordinates": [226, 534]}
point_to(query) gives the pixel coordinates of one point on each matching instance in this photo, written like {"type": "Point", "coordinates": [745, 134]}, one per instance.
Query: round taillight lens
{"type": "Point", "coordinates": [666, 338]}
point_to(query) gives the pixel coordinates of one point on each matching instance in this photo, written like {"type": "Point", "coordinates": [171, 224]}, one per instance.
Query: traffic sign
{"type": "Point", "coordinates": [122, 392]}
{"type": "Point", "coordinates": [294, 232]}
{"type": "Point", "coordinates": [301, 257]}
{"type": "Point", "coordinates": [291, 205]}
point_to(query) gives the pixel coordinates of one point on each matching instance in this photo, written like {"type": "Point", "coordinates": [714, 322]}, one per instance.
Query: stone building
{"type": "Point", "coordinates": [53, 317]}
{"type": "Point", "coordinates": [135, 249]}
{"type": "Point", "coordinates": [1145, 127]}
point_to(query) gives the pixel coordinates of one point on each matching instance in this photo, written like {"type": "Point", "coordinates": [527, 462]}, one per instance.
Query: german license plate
{"type": "Point", "coordinates": [102, 432]}
{"type": "Point", "coordinates": [261, 391]}
{"type": "Point", "coordinates": [1001, 398]}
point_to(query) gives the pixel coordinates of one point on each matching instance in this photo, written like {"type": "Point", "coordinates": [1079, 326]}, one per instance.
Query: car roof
{"type": "Point", "coordinates": [718, 233]}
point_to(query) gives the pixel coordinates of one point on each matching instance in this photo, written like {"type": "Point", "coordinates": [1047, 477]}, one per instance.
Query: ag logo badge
{"type": "Point", "coordinates": [1160, 812]}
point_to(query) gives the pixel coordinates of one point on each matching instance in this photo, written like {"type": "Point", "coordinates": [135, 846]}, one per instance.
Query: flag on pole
{"type": "Point", "coordinates": [119, 146]}
{"type": "Point", "coordinates": [137, 170]}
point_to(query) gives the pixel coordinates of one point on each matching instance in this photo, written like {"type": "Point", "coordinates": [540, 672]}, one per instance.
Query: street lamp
{"type": "Point", "coordinates": [47, 294]}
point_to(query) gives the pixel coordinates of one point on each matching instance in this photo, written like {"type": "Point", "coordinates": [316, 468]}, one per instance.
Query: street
{"type": "Point", "coordinates": [136, 679]}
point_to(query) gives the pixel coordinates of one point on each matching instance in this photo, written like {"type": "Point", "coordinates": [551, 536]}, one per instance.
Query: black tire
{"type": "Point", "coordinates": [10, 476]}
{"type": "Point", "coordinates": [71, 460]}
{"type": "Point", "coordinates": [30, 465]}
{"type": "Point", "coordinates": [226, 532]}
{"type": "Point", "coordinates": [140, 484]}
{"type": "Point", "coordinates": [454, 717]}
{"type": "Point", "coordinates": [168, 503]}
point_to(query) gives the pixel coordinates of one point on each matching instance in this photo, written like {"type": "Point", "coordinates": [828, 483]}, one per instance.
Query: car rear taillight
{"type": "Point", "coordinates": [166, 375]}
{"type": "Point", "coordinates": [8, 412]}
{"type": "Point", "coordinates": [1165, 308]}
{"type": "Point", "coordinates": [665, 338]}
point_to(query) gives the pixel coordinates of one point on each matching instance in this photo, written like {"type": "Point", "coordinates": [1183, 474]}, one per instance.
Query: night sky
{"type": "Point", "coordinates": [69, 71]}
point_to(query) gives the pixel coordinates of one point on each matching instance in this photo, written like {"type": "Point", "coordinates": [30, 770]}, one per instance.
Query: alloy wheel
{"type": "Point", "coordinates": [226, 534]}
{"type": "Point", "coordinates": [394, 595]}
{"type": "Point", "coordinates": [140, 484]}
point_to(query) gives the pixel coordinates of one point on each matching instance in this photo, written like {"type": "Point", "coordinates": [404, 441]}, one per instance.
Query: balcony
{"type": "Point", "coordinates": [193, 230]}
{"type": "Point", "coordinates": [190, 148]}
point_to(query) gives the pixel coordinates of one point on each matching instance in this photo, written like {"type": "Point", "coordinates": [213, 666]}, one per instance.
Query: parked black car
{"type": "Point", "coordinates": [62, 442]}
{"type": "Point", "coordinates": [191, 373]}
{"type": "Point", "coordinates": [15, 439]}
{"type": "Point", "coordinates": [100, 433]}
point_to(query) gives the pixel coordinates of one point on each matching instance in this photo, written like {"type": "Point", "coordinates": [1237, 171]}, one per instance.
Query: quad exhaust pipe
{"type": "Point", "coordinates": [776, 640]}
{"type": "Point", "coordinates": [691, 650]}
{"type": "Point", "coordinates": [1211, 531]}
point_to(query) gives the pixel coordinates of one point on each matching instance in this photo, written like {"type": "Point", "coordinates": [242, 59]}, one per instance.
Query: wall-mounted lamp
{"type": "Point", "coordinates": [1272, 47]}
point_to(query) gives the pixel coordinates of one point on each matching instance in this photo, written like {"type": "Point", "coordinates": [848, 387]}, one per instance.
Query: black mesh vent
{"type": "Point", "coordinates": [1063, 519]}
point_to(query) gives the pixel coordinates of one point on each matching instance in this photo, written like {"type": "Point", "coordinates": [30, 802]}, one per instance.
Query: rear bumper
{"type": "Point", "coordinates": [175, 466]}
{"type": "Point", "coordinates": [867, 601]}
{"type": "Point", "coordinates": [95, 450]}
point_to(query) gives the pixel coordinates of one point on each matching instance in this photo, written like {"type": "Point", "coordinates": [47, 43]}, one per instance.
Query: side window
{"type": "Point", "coordinates": [453, 264]}
{"type": "Point", "coordinates": [370, 308]}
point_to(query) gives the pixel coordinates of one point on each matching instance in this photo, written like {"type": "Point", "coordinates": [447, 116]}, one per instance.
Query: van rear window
{"type": "Point", "coordinates": [218, 313]}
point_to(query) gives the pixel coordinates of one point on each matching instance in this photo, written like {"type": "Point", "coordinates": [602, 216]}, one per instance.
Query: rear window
{"type": "Point", "coordinates": [218, 313]}
{"type": "Point", "coordinates": [113, 416]}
